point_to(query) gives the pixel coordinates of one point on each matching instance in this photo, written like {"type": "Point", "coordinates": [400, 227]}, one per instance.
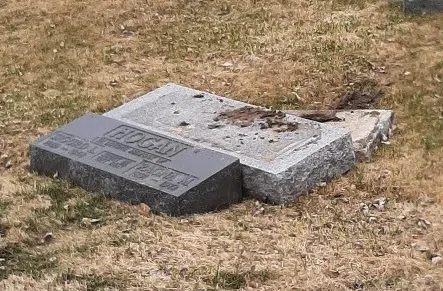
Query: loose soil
{"type": "Point", "coordinates": [363, 94]}
{"type": "Point", "coordinates": [248, 115]}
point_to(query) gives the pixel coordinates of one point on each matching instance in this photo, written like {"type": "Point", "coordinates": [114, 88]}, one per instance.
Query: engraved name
{"type": "Point", "coordinates": [67, 143]}
{"type": "Point", "coordinates": [147, 141]}
{"type": "Point", "coordinates": [106, 142]}
{"type": "Point", "coordinates": [69, 140]}
{"type": "Point", "coordinates": [51, 144]}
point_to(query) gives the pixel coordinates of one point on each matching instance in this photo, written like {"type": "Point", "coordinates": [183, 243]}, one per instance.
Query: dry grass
{"type": "Point", "coordinates": [60, 59]}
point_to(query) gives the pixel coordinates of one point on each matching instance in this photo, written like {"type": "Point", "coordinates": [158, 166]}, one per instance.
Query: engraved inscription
{"type": "Point", "coordinates": [147, 141]}
{"type": "Point", "coordinates": [112, 160]}
{"type": "Point", "coordinates": [161, 176]}
{"type": "Point", "coordinates": [112, 144]}
{"type": "Point", "coordinates": [94, 150]}
{"type": "Point", "coordinates": [103, 141]}
{"type": "Point", "coordinates": [155, 150]}
{"type": "Point", "coordinates": [64, 142]}
{"type": "Point", "coordinates": [134, 154]}
{"type": "Point", "coordinates": [77, 153]}
{"type": "Point", "coordinates": [69, 140]}
{"type": "Point", "coordinates": [52, 144]}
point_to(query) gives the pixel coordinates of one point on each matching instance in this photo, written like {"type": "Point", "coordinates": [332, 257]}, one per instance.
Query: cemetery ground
{"type": "Point", "coordinates": [379, 227]}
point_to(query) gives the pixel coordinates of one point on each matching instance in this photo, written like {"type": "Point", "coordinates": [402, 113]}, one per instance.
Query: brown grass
{"type": "Point", "coordinates": [60, 59]}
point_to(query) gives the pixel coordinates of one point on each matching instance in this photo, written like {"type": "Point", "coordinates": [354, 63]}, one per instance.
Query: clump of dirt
{"type": "Point", "coordinates": [320, 116]}
{"type": "Point", "coordinates": [247, 115]}
{"type": "Point", "coordinates": [363, 94]}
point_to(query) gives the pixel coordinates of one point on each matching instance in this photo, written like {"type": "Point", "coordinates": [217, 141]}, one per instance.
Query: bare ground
{"type": "Point", "coordinates": [377, 228]}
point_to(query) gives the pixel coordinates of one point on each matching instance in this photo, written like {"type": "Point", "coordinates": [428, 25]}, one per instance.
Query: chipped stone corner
{"type": "Point", "coordinates": [381, 133]}
{"type": "Point", "coordinates": [368, 128]}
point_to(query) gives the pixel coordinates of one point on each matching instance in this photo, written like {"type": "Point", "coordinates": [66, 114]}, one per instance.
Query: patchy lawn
{"type": "Point", "coordinates": [377, 228]}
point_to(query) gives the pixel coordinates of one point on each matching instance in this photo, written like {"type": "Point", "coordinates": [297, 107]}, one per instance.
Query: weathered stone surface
{"type": "Point", "coordinates": [108, 156]}
{"type": "Point", "coordinates": [368, 127]}
{"type": "Point", "coordinates": [423, 6]}
{"type": "Point", "coordinates": [282, 156]}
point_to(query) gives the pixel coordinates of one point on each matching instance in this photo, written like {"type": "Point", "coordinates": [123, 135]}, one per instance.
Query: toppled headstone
{"type": "Point", "coordinates": [368, 128]}
{"type": "Point", "coordinates": [423, 6]}
{"type": "Point", "coordinates": [282, 156]}
{"type": "Point", "coordinates": [138, 165]}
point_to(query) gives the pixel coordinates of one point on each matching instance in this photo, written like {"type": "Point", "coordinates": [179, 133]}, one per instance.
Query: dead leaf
{"type": "Point", "coordinates": [144, 209]}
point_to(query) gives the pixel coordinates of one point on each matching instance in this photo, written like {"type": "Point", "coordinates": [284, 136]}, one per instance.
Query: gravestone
{"type": "Point", "coordinates": [423, 6]}
{"type": "Point", "coordinates": [282, 156]}
{"type": "Point", "coordinates": [140, 166]}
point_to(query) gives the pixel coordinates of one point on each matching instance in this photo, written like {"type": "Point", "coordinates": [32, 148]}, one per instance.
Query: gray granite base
{"type": "Point", "coordinates": [107, 156]}
{"type": "Point", "coordinates": [423, 6]}
{"type": "Point", "coordinates": [368, 128]}
{"type": "Point", "coordinates": [278, 165]}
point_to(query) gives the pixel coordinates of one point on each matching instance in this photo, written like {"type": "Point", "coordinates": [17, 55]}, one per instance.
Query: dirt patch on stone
{"type": "Point", "coordinates": [319, 115]}
{"type": "Point", "coordinates": [248, 115]}
{"type": "Point", "coordinates": [363, 94]}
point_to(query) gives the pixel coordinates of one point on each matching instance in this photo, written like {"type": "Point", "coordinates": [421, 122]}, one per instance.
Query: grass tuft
{"type": "Point", "coordinates": [18, 261]}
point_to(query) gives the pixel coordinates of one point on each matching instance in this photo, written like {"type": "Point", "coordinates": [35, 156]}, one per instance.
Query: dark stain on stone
{"type": "Point", "coordinates": [247, 115]}
{"type": "Point", "coordinates": [321, 116]}
{"type": "Point", "coordinates": [213, 126]}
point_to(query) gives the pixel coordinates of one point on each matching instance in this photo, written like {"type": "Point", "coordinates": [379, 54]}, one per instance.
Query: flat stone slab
{"type": "Point", "coordinates": [423, 6]}
{"type": "Point", "coordinates": [140, 166]}
{"type": "Point", "coordinates": [282, 156]}
{"type": "Point", "coordinates": [368, 127]}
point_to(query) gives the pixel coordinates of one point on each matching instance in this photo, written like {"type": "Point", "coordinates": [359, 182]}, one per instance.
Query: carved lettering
{"type": "Point", "coordinates": [146, 167]}
{"type": "Point", "coordinates": [94, 150]}
{"type": "Point", "coordinates": [100, 141]}
{"type": "Point", "coordinates": [117, 146]}
{"type": "Point", "coordinates": [77, 153]}
{"type": "Point", "coordinates": [134, 137]}
{"type": "Point", "coordinates": [150, 143]}
{"type": "Point", "coordinates": [171, 175]}
{"type": "Point", "coordinates": [169, 185]}
{"type": "Point", "coordinates": [69, 140]}
{"type": "Point", "coordinates": [171, 149]}
{"type": "Point", "coordinates": [140, 175]}
{"type": "Point", "coordinates": [186, 180]}
{"type": "Point", "coordinates": [113, 160]}
{"type": "Point", "coordinates": [159, 172]}
{"type": "Point", "coordinates": [146, 141]}
{"type": "Point", "coordinates": [52, 144]}
{"type": "Point", "coordinates": [161, 176]}
{"type": "Point", "coordinates": [120, 132]}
